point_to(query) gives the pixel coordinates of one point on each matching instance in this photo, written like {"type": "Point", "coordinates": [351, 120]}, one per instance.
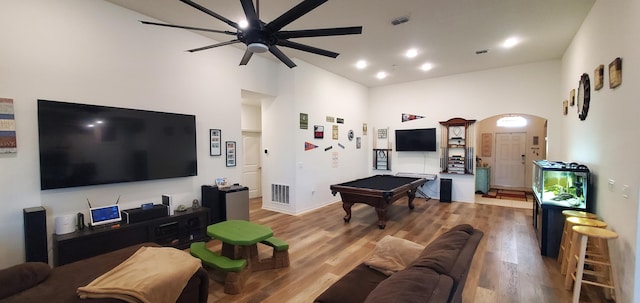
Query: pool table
{"type": "Point", "coordinates": [378, 191]}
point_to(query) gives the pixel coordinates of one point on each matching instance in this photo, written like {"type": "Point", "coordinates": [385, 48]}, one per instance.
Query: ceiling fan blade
{"type": "Point", "coordinates": [294, 13]}
{"type": "Point", "coordinates": [246, 57]}
{"type": "Point", "coordinates": [189, 27]}
{"type": "Point", "coordinates": [250, 13]}
{"type": "Point", "coordinates": [337, 31]}
{"type": "Point", "coordinates": [210, 13]}
{"type": "Point", "coordinates": [307, 48]}
{"type": "Point", "coordinates": [280, 55]}
{"type": "Point", "coordinates": [214, 45]}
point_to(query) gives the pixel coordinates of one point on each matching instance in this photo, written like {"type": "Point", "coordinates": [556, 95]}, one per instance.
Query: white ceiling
{"type": "Point", "coordinates": [447, 33]}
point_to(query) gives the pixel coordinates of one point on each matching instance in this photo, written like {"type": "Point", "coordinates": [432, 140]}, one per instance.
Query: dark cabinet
{"type": "Point", "coordinates": [178, 231]}
{"type": "Point", "coordinates": [548, 222]}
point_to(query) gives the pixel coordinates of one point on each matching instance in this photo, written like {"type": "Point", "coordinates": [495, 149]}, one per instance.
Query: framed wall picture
{"type": "Point", "coordinates": [572, 97]}
{"type": "Point", "coordinates": [216, 143]}
{"type": "Point", "coordinates": [615, 73]}
{"type": "Point", "coordinates": [598, 77]}
{"type": "Point", "coordinates": [318, 131]}
{"type": "Point", "coordinates": [231, 153]}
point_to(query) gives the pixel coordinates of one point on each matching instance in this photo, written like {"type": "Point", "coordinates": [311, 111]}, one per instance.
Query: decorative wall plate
{"type": "Point", "coordinates": [584, 96]}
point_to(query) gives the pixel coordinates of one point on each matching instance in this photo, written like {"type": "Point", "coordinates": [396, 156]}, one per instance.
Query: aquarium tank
{"type": "Point", "coordinates": [561, 183]}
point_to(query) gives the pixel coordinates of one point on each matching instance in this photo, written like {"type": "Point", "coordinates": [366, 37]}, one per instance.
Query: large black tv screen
{"type": "Point", "coordinates": [423, 139]}
{"type": "Point", "coordinates": [84, 145]}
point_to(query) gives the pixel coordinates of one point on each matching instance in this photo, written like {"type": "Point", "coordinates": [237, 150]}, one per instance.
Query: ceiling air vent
{"type": "Point", "coordinates": [400, 20]}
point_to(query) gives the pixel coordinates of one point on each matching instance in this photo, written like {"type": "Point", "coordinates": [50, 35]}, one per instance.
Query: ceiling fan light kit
{"type": "Point", "coordinates": [260, 37]}
{"type": "Point", "coordinates": [257, 48]}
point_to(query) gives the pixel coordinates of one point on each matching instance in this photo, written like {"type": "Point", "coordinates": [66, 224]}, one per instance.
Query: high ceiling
{"type": "Point", "coordinates": [446, 33]}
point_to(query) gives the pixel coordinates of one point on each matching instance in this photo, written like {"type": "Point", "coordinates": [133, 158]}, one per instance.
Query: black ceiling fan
{"type": "Point", "coordinates": [260, 36]}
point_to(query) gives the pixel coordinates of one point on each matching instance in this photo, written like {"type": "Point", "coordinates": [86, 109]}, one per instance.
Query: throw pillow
{"type": "Point", "coordinates": [393, 254]}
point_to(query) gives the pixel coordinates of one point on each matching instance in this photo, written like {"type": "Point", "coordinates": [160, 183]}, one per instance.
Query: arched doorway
{"type": "Point", "coordinates": [509, 149]}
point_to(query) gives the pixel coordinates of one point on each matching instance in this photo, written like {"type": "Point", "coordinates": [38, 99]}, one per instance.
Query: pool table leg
{"type": "Point", "coordinates": [412, 195]}
{"type": "Point", "coordinates": [382, 217]}
{"type": "Point", "coordinates": [347, 208]}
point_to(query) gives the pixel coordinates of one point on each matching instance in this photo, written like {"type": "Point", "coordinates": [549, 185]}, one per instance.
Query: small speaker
{"type": "Point", "coordinates": [445, 190]}
{"type": "Point", "coordinates": [168, 202]}
{"type": "Point", "coordinates": [136, 215]}
{"type": "Point", "coordinates": [35, 234]}
{"type": "Point", "coordinates": [80, 221]}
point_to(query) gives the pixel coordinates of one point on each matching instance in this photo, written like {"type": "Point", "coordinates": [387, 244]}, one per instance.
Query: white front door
{"type": "Point", "coordinates": [251, 171]}
{"type": "Point", "coordinates": [510, 159]}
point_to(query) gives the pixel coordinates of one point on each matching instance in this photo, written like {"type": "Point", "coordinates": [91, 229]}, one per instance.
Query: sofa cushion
{"type": "Point", "coordinates": [352, 287]}
{"type": "Point", "coordinates": [22, 276]}
{"type": "Point", "coordinates": [392, 254]}
{"type": "Point", "coordinates": [416, 284]}
{"type": "Point", "coordinates": [441, 254]}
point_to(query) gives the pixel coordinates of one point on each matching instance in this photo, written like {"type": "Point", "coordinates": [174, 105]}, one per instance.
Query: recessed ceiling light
{"type": "Point", "coordinates": [361, 64]}
{"type": "Point", "coordinates": [243, 24]}
{"type": "Point", "coordinates": [511, 42]}
{"type": "Point", "coordinates": [426, 67]}
{"type": "Point", "coordinates": [381, 75]}
{"type": "Point", "coordinates": [412, 53]}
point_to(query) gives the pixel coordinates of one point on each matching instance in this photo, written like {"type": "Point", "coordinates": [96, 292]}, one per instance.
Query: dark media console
{"type": "Point", "coordinates": [178, 231]}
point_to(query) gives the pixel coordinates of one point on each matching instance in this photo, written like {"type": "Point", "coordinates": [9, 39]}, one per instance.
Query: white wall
{"type": "Point", "coordinates": [251, 118]}
{"type": "Point", "coordinates": [321, 94]}
{"type": "Point", "coordinates": [308, 89]}
{"type": "Point", "coordinates": [97, 53]}
{"type": "Point", "coordinates": [528, 89]}
{"type": "Point", "coordinates": [607, 141]}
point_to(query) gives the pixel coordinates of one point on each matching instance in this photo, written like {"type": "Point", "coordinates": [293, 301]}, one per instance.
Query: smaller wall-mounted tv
{"type": "Point", "coordinates": [422, 139]}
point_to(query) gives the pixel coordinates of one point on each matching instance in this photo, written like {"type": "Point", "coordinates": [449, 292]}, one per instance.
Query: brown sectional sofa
{"type": "Point", "coordinates": [37, 282]}
{"type": "Point", "coordinates": [437, 275]}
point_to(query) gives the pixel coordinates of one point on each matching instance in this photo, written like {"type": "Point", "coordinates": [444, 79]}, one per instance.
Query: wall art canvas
{"type": "Point", "coordinates": [8, 141]}
{"type": "Point", "coordinates": [231, 153]}
{"type": "Point", "coordinates": [615, 73]}
{"type": "Point", "coordinates": [487, 144]}
{"type": "Point", "coordinates": [334, 132]}
{"type": "Point", "coordinates": [572, 97]}
{"type": "Point", "coordinates": [318, 131]}
{"type": "Point", "coordinates": [216, 142]}
{"type": "Point", "coordinates": [598, 77]}
{"type": "Point", "coordinates": [304, 121]}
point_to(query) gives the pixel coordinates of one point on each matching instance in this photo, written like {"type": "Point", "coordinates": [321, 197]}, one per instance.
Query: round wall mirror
{"type": "Point", "coordinates": [583, 96]}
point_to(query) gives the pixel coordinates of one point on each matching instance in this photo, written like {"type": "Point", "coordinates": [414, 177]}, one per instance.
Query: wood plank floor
{"type": "Point", "coordinates": [507, 266]}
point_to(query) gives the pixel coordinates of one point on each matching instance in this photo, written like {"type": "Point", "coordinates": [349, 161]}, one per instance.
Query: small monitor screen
{"type": "Point", "coordinates": [105, 215]}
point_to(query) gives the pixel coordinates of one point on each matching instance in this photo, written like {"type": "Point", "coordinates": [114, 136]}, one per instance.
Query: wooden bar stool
{"type": "Point", "coordinates": [570, 213]}
{"type": "Point", "coordinates": [566, 249]}
{"type": "Point", "coordinates": [600, 263]}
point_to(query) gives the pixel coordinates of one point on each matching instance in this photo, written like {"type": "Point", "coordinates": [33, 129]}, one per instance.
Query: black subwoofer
{"type": "Point", "coordinates": [35, 234]}
{"type": "Point", "coordinates": [445, 190]}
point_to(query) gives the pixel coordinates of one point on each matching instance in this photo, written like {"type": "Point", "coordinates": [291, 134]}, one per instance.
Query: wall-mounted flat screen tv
{"type": "Point", "coordinates": [83, 144]}
{"type": "Point", "coordinates": [423, 139]}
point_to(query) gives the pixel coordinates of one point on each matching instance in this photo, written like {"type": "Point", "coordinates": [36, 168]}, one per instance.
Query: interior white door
{"type": "Point", "coordinates": [510, 159]}
{"type": "Point", "coordinates": [251, 170]}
